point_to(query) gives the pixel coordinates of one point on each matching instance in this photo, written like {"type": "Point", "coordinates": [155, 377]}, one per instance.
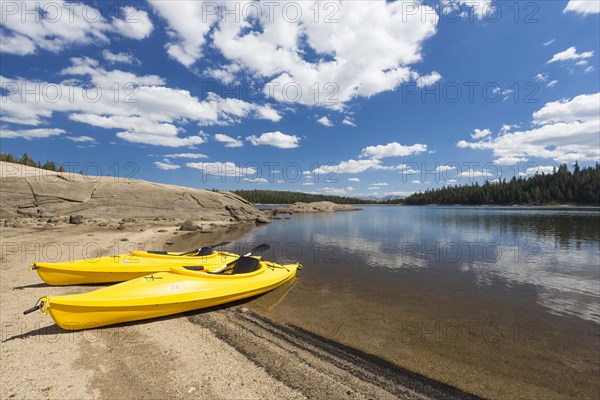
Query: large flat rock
{"type": "Point", "coordinates": [31, 191]}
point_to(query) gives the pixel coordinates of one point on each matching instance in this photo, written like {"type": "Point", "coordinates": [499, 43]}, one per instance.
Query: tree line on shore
{"type": "Point", "coordinates": [562, 186]}
{"type": "Point", "coordinates": [30, 162]}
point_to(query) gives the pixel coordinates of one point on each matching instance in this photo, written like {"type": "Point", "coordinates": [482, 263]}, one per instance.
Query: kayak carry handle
{"type": "Point", "coordinates": [32, 309]}
{"type": "Point", "coordinates": [38, 306]}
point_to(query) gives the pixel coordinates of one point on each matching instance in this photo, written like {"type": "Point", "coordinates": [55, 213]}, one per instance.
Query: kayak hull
{"type": "Point", "coordinates": [161, 295]}
{"type": "Point", "coordinates": [79, 318]}
{"type": "Point", "coordinates": [62, 277]}
{"type": "Point", "coordinates": [121, 268]}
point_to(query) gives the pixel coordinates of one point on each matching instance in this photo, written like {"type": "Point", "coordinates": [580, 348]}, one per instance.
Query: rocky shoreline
{"type": "Point", "coordinates": [34, 197]}
{"type": "Point", "coordinates": [316, 207]}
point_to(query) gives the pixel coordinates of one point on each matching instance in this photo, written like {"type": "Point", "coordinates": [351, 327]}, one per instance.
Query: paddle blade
{"type": "Point", "coordinates": [260, 248]}
{"type": "Point", "coordinates": [219, 244]}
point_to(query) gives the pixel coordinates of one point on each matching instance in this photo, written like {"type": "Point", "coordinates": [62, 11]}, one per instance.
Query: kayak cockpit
{"type": "Point", "coordinates": [246, 266]}
{"type": "Point", "coordinates": [243, 265]}
{"type": "Point", "coordinates": [201, 252]}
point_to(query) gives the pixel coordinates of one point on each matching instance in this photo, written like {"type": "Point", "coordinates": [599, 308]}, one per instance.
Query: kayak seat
{"type": "Point", "coordinates": [205, 251]}
{"type": "Point", "coordinates": [246, 265]}
{"type": "Point", "coordinates": [200, 268]}
{"type": "Point", "coordinates": [164, 253]}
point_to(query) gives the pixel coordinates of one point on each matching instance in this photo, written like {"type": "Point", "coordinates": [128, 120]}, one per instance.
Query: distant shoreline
{"type": "Point", "coordinates": [565, 206]}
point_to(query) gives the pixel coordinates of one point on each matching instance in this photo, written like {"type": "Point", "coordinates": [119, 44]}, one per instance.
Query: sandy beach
{"type": "Point", "coordinates": [226, 353]}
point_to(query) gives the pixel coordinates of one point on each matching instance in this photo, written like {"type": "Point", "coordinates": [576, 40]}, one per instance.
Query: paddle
{"type": "Point", "coordinates": [258, 249]}
{"type": "Point", "coordinates": [197, 250]}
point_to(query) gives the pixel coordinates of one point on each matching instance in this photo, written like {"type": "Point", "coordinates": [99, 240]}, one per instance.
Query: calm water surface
{"type": "Point", "coordinates": [556, 252]}
{"type": "Point", "coordinates": [501, 301]}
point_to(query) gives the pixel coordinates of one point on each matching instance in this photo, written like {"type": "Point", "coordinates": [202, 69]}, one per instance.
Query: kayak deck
{"type": "Point", "coordinates": [161, 294]}
{"type": "Point", "coordinates": [123, 267]}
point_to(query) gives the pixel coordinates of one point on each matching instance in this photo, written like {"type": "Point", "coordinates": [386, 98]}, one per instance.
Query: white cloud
{"type": "Point", "coordinates": [502, 92]}
{"type": "Point", "coordinates": [275, 139]}
{"type": "Point", "coordinates": [89, 67]}
{"type": "Point", "coordinates": [358, 57]}
{"type": "Point", "coordinates": [17, 44]}
{"type": "Point", "coordinates": [428, 80]}
{"type": "Point", "coordinates": [143, 110]}
{"type": "Point", "coordinates": [82, 139]}
{"type": "Point", "coordinates": [582, 108]}
{"type": "Point", "coordinates": [590, 69]}
{"type": "Point", "coordinates": [308, 184]}
{"type": "Point", "coordinates": [481, 133]}
{"type": "Point", "coordinates": [29, 134]}
{"type": "Point", "coordinates": [255, 180]}
{"type": "Point", "coordinates": [338, 191]}
{"type": "Point", "coordinates": [540, 169]}
{"type": "Point", "coordinates": [188, 26]}
{"type": "Point", "coordinates": [56, 25]}
{"type": "Point", "coordinates": [348, 167]}
{"type": "Point", "coordinates": [583, 7]}
{"type": "Point", "coordinates": [549, 42]}
{"type": "Point", "coordinates": [349, 122]}
{"type": "Point", "coordinates": [564, 131]}
{"type": "Point", "coordinates": [444, 168]}
{"type": "Point", "coordinates": [393, 149]}
{"type": "Point", "coordinates": [479, 9]}
{"type": "Point", "coordinates": [474, 174]}
{"type": "Point", "coordinates": [507, 128]}
{"type": "Point", "coordinates": [570, 54]}
{"type": "Point", "coordinates": [374, 188]}
{"type": "Point", "coordinates": [186, 155]}
{"type": "Point", "coordinates": [509, 160]}
{"type": "Point", "coordinates": [135, 23]}
{"type": "Point", "coordinates": [228, 140]}
{"type": "Point", "coordinates": [222, 168]}
{"type": "Point", "coordinates": [354, 179]}
{"type": "Point", "coordinates": [124, 58]}
{"type": "Point", "coordinates": [407, 169]}
{"type": "Point", "coordinates": [380, 184]}
{"type": "Point", "coordinates": [325, 121]}
{"type": "Point", "coordinates": [551, 84]}
{"type": "Point", "coordinates": [159, 140]}
{"type": "Point", "coordinates": [140, 130]}
{"type": "Point", "coordinates": [132, 123]}
{"type": "Point", "coordinates": [543, 77]}
{"type": "Point", "coordinates": [225, 74]}
{"type": "Point", "coordinates": [166, 165]}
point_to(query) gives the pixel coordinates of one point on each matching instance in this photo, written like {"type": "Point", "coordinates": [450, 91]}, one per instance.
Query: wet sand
{"type": "Point", "coordinates": [221, 353]}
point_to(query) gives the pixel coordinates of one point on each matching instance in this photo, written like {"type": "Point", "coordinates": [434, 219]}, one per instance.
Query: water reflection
{"type": "Point", "coordinates": [555, 251]}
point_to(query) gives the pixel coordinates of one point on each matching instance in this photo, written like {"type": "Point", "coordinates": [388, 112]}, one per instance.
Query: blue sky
{"type": "Point", "coordinates": [352, 98]}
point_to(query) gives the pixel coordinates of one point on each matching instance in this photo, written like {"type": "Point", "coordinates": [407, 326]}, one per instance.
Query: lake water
{"type": "Point", "coordinates": [503, 302]}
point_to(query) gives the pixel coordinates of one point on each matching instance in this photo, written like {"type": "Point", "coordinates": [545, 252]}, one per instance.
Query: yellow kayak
{"type": "Point", "coordinates": [165, 293]}
{"type": "Point", "coordinates": [127, 266]}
